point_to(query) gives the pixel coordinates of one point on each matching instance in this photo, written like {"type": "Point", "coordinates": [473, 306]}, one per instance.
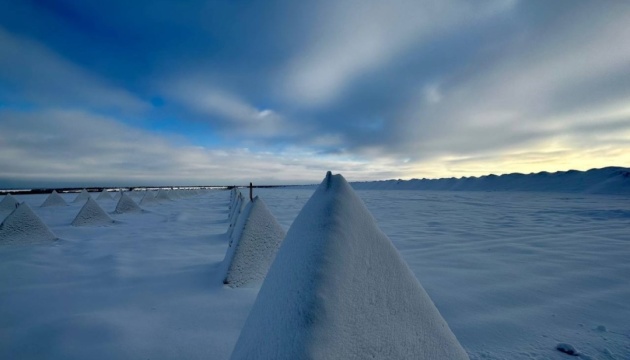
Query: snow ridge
{"type": "Point", "coordinates": [338, 289]}
{"type": "Point", "coordinates": [253, 247]}
{"type": "Point", "coordinates": [91, 214]}
{"type": "Point", "coordinates": [610, 180]}
{"type": "Point", "coordinates": [23, 226]}
{"type": "Point", "coordinates": [54, 199]}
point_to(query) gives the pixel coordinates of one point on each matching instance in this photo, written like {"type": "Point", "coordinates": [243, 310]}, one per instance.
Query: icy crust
{"type": "Point", "coordinates": [83, 195]}
{"type": "Point", "coordinates": [104, 195]}
{"type": "Point", "coordinates": [338, 289]}
{"type": "Point", "coordinates": [253, 247]}
{"type": "Point", "coordinates": [91, 214]}
{"type": "Point", "coordinates": [23, 226]}
{"type": "Point", "coordinates": [54, 199]}
{"type": "Point", "coordinates": [126, 205]}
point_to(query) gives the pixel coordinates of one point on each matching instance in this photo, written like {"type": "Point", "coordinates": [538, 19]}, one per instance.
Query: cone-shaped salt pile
{"type": "Point", "coordinates": [338, 289]}
{"type": "Point", "coordinates": [54, 199]}
{"type": "Point", "coordinates": [22, 226]}
{"type": "Point", "coordinates": [92, 215]}
{"type": "Point", "coordinates": [235, 213]}
{"type": "Point", "coordinates": [118, 193]}
{"type": "Point", "coordinates": [126, 205]}
{"type": "Point", "coordinates": [84, 195]}
{"type": "Point", "coordinates": [104, 195]}
{"type": "Point", "coordinates": [8, 204]}
{"type": "Point", "coordinates": [148, 198]}
{"type": "Point", "coordinates": [162, 195]}
{"type": "Point", "coordinates": [253, 246]}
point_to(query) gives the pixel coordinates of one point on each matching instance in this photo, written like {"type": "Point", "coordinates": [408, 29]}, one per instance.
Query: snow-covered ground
{"type": "Point", "coordinates": [514, 274]}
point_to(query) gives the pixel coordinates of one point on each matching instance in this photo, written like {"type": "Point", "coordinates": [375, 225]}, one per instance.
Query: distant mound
{"type": "Point", "coordinates": [126, 205]}
{"type": "Point", "coordinates": [91, 214]}
{"type": "Point", "coordinates": [162, 195]}
{"type": "Point", "coordinates": [610, 180]}
{"type": "Point", "coordinates": [253, 247]}
{"type": "Point", "coordinates": [83, 195]}
{"type": "Point", "coordinates": [338, 289]}
{"type": "Point", "coordinates": [54, 199]}
{"type": "Point", "coordinates": [104, 195]}
{"type": "Point", "coordinates": [23, 226]}
{"type": "Point", "coordinates": [148, 198]}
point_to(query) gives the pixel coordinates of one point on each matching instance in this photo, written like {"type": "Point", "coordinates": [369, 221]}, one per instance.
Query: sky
{"type": "Point", "coordinates": [128, 93]}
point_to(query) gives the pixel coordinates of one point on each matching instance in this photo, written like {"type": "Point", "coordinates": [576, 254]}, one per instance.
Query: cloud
{"type": "Point", "coordinates": [78, 148]}
{"type": "Point", "coordinates": [355, 37]}
{"type": "Point", "coordinates": [229, 112]}
{"type": "Point", "coordinates": [31, 71]}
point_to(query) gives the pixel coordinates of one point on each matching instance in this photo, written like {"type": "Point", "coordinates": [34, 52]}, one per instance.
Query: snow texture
{"type": "Point", "coordinates": [22, 226]}
{"type": "Point", "coordinates": [104, 195]}
{"type": "Point", "coordinates": [338, 289]}
{"type": "Point", "coordinates": [7, 205]}
{"type": "Point", "coordinates": [253, 247]}
{"type": "Point", "coordinates": [91, 214]}
{"type": "Point", "coordinates": [126, 205]}
{"type": "Point", "coordinates": [610, 180]}
{"type": "Point", "coordinates": [54, 199]}
{"type": "Point", "coordinates": [83, 195]}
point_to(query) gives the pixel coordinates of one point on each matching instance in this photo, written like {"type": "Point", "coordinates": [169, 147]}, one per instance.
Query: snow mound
{"type": "Point", "coordinates": [234, 214]}
{"type": "Point", "coordinates": [253, 248]}
{"type": "Point", "coordinates": [104, 195]}
{"type": "Point", "coordinates": [84, 195]}
{"type": "Point", "coordinates": [23, 226]}
{"type": "Point", "coordinates": [162, 195]}
{"type": "Point", "coordinates": [54, 199]}
{"type": "Point", "coordinates": [148, 199]}
{"type": "Point", "coordinates": [567, 349]}
{"type": "Point", "coordinates": [338, 289]}
{"type": "Point", "coordinates": [8, 204]}
{"type": "Point", "coordinates": [126, 205]}
{"type": "Point", "coordinates": [91, 214]}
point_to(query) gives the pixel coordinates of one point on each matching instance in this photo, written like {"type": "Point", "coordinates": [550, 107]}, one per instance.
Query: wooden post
{"type": "Point", "coordinates": [251, 190]}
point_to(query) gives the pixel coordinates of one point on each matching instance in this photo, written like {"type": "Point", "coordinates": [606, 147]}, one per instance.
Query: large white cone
{"type": "Point", "coordinates": [7, 205]}
{"type": "Point", "coordinates": [54, 199]}
{"type": "Point", "coordinates": [126, 205]}
{"type": "Point", "coordinates": [23, 226]}
{"type": "Point", "coordinates": [253, 246]}
{"type": "Point", "coordinates": [338, 289]}
{"type": "Point", "coordinates": [91, 214]}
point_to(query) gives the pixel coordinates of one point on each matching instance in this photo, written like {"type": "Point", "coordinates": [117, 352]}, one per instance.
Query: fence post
{"type": "Point", "coordinates": [251, 190]}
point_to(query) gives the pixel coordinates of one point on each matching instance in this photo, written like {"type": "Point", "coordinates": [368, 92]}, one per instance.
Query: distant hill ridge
{"type": "Point", "coordinates": [609, 180]}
